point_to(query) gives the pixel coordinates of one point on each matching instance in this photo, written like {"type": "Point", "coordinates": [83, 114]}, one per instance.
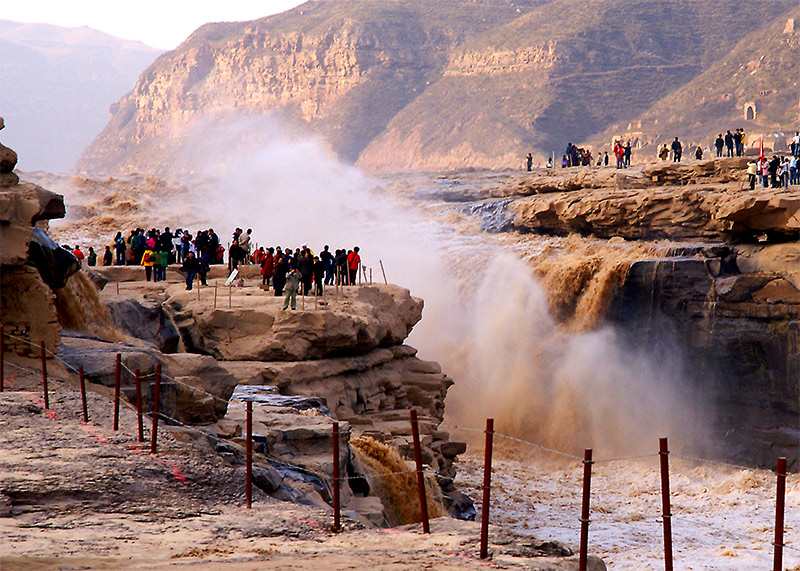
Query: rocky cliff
{"type": "Point", "coordinates": [692, 267]}
{"type": "Point", "coordinates": [25, 207]}
{"type": "Point", "coordinates": [428, 85]}
{"type": "Point", "coordinates": [343, 358]}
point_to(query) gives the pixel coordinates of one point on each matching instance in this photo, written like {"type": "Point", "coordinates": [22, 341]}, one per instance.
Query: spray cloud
{"type": "Point", "coordinates": [496, 337]}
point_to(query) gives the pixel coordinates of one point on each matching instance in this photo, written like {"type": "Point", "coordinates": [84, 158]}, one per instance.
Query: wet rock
{"type": "Point", "coordinates": [99, 280]}
{"type": "Point", "coordinates": [740, 288]}
{"type": "Point", "coordinates": [55, 264]}
{"type": "Point", "coordinates": [267, 478]}
{"type": "Point", "coordinates": [146, 320]}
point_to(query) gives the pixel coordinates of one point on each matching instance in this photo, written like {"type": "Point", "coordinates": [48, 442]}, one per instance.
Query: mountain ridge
{"type": "Point", "coordinates": [58, 84]}
{"type": "Point", "coordinates": [422, 85]}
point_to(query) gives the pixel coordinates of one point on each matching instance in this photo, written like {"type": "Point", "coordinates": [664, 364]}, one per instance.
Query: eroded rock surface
{"type": "Point", "coordinates": [27, 304]}
{"type": "Point", "coordinates": [257, 329]}
{"type": "Point", "coordinates": [707, 199]}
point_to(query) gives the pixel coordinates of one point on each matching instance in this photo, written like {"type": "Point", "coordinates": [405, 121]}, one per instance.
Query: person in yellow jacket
{"type": "Point", "coordinates": [752, 172]}
{"type": "Point", "coordinates": [148, 259]}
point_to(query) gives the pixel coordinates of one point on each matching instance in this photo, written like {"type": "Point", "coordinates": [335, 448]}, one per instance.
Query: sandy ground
{"type": "Point", "coordinates": [80, 496]}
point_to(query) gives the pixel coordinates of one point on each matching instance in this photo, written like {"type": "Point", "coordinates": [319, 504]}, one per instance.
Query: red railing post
{"type": "Point", "coordinates": [83, 394]}
{"type": "Point", "coordinates": [137, 376]}
{"type": "Point", "coordinates": [666, 510]}
{"type": "Point", "coordinates": [117, 383]}
{"type": "Point", "coordinates": [487, 484]}
{"type": "Point", "coordinates": [44, 375]}
{"type": "Point", "coordinates": [156, 389]}
{"type": "Point", "coordinates": [336, 506]}
{"type": "Point", "coordinates": [587, 485]}
{"type": "Point", "coordinates": [779, 509]}
{"type": "Point", "coordinates": [2, 357]}
{"type": "Point", "coordinates": [248, 484]}
{"type": "Point", "coordinates": [423, 500]}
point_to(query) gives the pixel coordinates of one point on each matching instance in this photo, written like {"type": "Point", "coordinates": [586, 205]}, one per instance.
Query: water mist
{"type": "Point", "coordinates": [496, 337]}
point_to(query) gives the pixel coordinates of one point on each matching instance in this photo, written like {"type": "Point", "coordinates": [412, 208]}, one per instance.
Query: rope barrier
{"type": "Point", "coordinates": [164, 376]}
{"type": "Point", "coordinates": [218, 440]}
{"type": "Point", "coordinates": [518, 440]}
{"type": "Point", "coordinates": [374, 476]}
{"type": "Point", "coordinates": [715, 462]}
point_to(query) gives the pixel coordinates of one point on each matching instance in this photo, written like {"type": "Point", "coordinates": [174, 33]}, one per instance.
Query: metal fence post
{"type": "Point", "coordinates": [587, 485]}
{"type": "Point", "coordinates": [336, 506]}
{"type": "Point", "coordinates": [423, 500]}
{"type": "Point", "coordinates": [117, 383]}
{"type": "Point", "coordinates": [137, 376]}
{"type": "Point", "coordinates": [487, 484]}
{"type": "Point", "coordinates": [779, 509]}
{"type": "Point", "coordinates": [83, 394]}
{"type": "Point", "coordinates": [663, 450]}
{"type": "Point", "coordinates": [249, 454]}
{"type": "Point", "coordinates": [44, 375]}
{"type": "Point", "coordinates": [156, 389]}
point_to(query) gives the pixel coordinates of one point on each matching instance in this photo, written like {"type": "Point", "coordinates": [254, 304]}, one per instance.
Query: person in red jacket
{"type": "Point", "coordinates": [267, 267]}
{"type": "Point", "coordinates": [353, 264]}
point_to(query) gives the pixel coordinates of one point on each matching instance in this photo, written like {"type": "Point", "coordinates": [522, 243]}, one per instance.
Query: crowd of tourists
{"type": "Point", "coordinates": [731, 144]}
{"type": "Point", "coordinates": [777, 172]}
{"type": "Point", "coordinates": [287, 271]}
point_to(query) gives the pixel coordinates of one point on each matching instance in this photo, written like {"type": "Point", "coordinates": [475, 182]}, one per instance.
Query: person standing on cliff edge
{"type": "Point", "coordinates": [190, 267]}
{"type": "Point", "coordinates": [677, 150]}
{"type": "Point", "coordinates": [529, 162]}
{"type": "Point", "coordinates": [292, 285]}
{"type": "Point", "coordinates": [353, 264]}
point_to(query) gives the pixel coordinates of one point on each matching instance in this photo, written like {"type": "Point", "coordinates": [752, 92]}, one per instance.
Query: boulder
{"type": "Point", "coordinates": [213, 379]}
{"type": "Point", "coordinates": [778, 290]}
{"type": "Point", "coordinates": [27, 304]}
{"type": "Point", "coordinates": [267, 478]}
{"type": "Point", "coordinates": [146, 320]}
{"type": "Point", "coordinates": [55, 264]}
{"type": "Point", "coordinates": [196, 389]}
{"type": "Point", "coordinates": [8, 159]}
{"type": "Point", "coordinates": [740, 287]}
{"type": "Point", "coordinates": [256, 328]}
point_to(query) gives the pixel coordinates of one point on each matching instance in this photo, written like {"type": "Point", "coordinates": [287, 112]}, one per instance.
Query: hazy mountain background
{"type": "Point", "coordinates": [56, 86]}
{"type": "Point", "coordinates": [396, 85]}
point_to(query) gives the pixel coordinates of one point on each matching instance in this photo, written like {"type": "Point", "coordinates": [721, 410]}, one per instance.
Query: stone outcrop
{"type": "Point", "coordinates": [708, 199]}
{"type": "Point", "coordinates": [27, 304]}
{"type": "Point", "coordinates": [370, 317]}
{"type": "Point", "coordinates": [341, 356]}
{"type": "Point", "coordinates": [734, 313]}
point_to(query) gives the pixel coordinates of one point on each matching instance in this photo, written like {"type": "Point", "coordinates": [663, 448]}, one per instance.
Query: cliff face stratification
{"type": "Point", "coordinates": [27, 304]}
{"type": "Point", "coordinates": [417, 84]}
{"type": "Point", "coordinates": [344, 69]}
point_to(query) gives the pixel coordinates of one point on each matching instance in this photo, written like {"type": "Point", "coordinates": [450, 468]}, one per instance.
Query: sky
{"type": "Point", "coordinates": [158, 23]}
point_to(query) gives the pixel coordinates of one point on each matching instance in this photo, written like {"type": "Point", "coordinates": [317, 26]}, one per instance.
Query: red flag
{"type": "Point", "coordinates": [761, 148]}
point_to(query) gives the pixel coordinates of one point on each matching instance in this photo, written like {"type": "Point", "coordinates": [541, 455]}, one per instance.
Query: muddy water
{"type": "Point", "coordinates": [516, 320]}
{"type": "Point", "coordinates": [394, 482]}
{"type": "Point", "coordinates": [79, 308]}
{"type": "Point", "coordinates": [722, 517]}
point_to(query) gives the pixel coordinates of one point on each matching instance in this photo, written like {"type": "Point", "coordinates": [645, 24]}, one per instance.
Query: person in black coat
{"type": "Point", "coordinates": [719, 143]}
{"type": "Point", "coordinates": [319, 274]}
{"type": "Point", "coordinates": [306, 266]}
{"type": "Point", "coordinates": [279, 280]}
{"type": "Point", "coordinates": [190, 266]}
